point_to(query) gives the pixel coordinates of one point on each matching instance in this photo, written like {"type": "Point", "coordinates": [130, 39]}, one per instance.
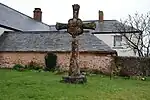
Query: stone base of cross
{"type": "Point", "coordinates": [75, 28]}
{"type": "Point", "coordinates": [74, 70]}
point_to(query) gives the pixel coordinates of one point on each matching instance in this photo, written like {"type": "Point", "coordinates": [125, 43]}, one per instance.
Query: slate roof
{"type": "Point", "coordinates": [16, 20]}
{"type": "Point", "coordinates": [106, 26]}
{"type": "Point", "coordinates": [50, 41]}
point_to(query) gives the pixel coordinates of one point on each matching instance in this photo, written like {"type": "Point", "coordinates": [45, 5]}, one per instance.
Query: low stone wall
{"type": "Point", "coordinates": [9, 59]}
{"type": "Point", "coordinates": [88, 61]}
{"type": "Point", "coordinates": [91, 61]}
{"type": "Point", "coordinates": [133, 65]}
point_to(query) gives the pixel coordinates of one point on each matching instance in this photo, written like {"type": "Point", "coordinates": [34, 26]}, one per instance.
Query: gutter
{"type": "Point", "coordinates": [10, 28]}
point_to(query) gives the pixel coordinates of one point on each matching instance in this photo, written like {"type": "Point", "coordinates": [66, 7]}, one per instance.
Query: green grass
{"type": "Point", "coordinates": [46, 86]}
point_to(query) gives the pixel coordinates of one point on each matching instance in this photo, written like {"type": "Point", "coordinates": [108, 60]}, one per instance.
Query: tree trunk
{"type": "Point", "coordinates": [74, 70]}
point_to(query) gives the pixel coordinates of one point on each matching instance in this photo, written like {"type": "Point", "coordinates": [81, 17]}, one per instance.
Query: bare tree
{"type": "Point", "coordinates": [136, 32]}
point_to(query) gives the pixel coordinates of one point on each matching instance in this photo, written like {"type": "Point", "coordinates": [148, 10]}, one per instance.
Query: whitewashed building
{"type": "Point", "coordinates": [106, 31]}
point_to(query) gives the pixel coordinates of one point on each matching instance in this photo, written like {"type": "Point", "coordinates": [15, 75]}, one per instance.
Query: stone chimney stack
{"type": "Point", "coordinates": [37, 14]}
{"type": "Point", "coordinates": [101, 16]}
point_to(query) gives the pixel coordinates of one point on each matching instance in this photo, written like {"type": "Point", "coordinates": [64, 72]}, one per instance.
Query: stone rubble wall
{"type": "Point", "coordinates": [92, 61]}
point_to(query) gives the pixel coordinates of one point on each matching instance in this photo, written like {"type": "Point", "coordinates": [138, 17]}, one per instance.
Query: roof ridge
{"type": "Point", "coordinates": [88, 21]}
{"type": "Point", "coordinates": [9, 32]}
{"type": "Point", "coordinates": [22, 13]}
{"type": "Point", "coordinates": [37, 31]}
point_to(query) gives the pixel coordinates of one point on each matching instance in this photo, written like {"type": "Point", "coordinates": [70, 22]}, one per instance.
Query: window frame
{"type": "Point", "coordinates": [119, 39]}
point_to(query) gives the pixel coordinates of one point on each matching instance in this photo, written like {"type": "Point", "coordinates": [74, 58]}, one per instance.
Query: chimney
{"type": "Point", "coordinates": [101, 16]}
{"type": "Point", "coordinates": [37, 14]}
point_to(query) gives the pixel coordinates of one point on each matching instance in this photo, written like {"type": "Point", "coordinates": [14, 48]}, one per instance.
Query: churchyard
{"type": "Point", "coordinates": [31, 85]}
{"type": "Point", "coordinates": [98, 77]}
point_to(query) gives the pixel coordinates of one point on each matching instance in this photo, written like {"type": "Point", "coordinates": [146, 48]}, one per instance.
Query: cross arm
{"type": "Point", "coordinates": [91, 25]}
{"type": "Point", "coordinates": [60, 26]}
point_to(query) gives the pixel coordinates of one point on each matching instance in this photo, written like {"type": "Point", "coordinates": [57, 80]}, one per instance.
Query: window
{"type": "Point", "coordinates": [117, 40]}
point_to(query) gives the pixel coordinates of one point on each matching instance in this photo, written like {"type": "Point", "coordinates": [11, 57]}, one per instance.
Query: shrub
{"type": "Point", "coordinates": [135, 65]}
{"type": "Point", "coordinates": [18, 67]}
{"type": "Point", "coordinates": [50, 62]}
{"type": "Point", "coordinates": [33, 66]}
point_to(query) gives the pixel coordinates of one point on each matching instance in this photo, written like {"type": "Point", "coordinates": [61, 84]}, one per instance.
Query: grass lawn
{"type": "Point", "coordinates": [27, 85]}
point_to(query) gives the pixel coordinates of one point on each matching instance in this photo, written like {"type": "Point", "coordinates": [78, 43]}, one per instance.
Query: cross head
{"type": "Point", "coordinates": [75, 25]}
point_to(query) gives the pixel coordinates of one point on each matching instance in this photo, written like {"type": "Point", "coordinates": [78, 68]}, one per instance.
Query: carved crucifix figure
{"type": "Point", "coordinates": [75, 28]}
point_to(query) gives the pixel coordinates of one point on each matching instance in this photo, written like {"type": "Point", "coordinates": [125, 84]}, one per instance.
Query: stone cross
{"type": "Point", "coordinates": [75, 28]}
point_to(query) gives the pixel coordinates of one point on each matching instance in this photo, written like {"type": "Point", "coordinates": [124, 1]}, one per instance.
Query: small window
{"type": "Point", "coordinates": [117, 40]}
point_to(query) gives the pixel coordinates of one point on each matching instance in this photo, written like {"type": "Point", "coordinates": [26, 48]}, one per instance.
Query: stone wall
{"type": "Point", "coordinates": [89, 61]}
{"type": "Point", "coordinates": [9, 59]}
{"type": "Point", "coordinates": [133, 65]}
{"type": "Point", "coordinates": [94, 61]}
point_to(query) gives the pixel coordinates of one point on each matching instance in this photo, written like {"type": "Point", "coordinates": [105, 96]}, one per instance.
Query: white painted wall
{"type": "Point", "coordinates": [3, 29]}
{"type": "Point", "coordinates": [109, 40]}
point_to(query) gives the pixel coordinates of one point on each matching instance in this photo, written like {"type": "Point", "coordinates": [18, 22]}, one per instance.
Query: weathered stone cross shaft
{"type": "Point", "coordinates": [75, 28]}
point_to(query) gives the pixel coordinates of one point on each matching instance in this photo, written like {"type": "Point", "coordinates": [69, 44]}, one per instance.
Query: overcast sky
{"type": "Point", "coordinates": [61, 10]}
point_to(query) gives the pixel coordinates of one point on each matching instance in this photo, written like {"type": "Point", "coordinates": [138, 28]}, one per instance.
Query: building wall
{"type": "Point", "coordinates": [100, 62]}
{"type": "Point", "coordinates": [109, 40]}
{"type": "Point", "coordinates": [3, 29]}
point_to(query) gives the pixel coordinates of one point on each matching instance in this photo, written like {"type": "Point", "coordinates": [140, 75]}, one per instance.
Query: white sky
{"type": "Point", "coordinates": [61, 10]}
